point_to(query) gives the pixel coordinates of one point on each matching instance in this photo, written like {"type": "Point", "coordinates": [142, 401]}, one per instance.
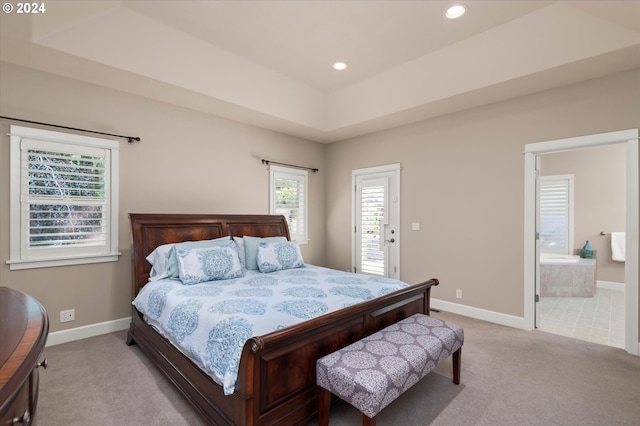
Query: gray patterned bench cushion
{"type": "Point", "coordinates": [372, 372]}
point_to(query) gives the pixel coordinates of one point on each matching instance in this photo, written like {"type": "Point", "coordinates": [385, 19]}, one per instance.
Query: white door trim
{"type": "Point", "coordinates": [630, 139]}
{"type": "Point", "coordinates": [388, 168]}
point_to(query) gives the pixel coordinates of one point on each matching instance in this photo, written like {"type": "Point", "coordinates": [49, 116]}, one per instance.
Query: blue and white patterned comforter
{"type": "Point", "coordinates": [210, 322]}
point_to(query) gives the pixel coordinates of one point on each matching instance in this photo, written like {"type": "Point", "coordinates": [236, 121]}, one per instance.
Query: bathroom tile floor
{"type": "Point", "coordinates": [598, 319]}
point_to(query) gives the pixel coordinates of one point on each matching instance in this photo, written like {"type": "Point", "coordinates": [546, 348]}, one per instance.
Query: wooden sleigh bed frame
{"type": "Point", "coordinates": [276, 380]}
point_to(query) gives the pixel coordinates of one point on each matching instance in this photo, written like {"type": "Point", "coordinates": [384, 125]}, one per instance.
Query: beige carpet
{"type": "Point", "coordinates": [509, 377]}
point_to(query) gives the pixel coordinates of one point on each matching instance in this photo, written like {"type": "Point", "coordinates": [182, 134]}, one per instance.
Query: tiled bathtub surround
{"type": "Point", "coordinates": [568, 280]}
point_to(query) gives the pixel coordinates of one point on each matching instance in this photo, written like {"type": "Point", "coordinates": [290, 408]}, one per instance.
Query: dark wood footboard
{"type": "Point", "coordinates": [284, 363]}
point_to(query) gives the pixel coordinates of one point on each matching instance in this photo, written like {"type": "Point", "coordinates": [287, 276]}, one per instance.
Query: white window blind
{"type": "Point", "coordinates": [64, 203]}
{"type": "Point", "coordinates": [289, 198]}
{"type": "Point", "coordinates": [556, 214]}
{"type": "Point", "coordinates": [372, 211]}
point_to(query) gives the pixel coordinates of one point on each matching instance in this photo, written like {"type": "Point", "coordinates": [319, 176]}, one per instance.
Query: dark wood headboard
{"type": "Point", "coordinates": [150, 230]}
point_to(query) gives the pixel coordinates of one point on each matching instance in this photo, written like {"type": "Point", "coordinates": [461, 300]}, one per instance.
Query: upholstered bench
{"type": "Point", "coordinates": [372, 372]}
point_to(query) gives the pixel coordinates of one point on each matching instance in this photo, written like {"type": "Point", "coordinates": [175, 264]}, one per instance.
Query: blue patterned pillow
{"type": "Point", "coordinates": [172, 259]}
{"type": "Point", "coordinates": [197, 265]}
{"type": "Point", "coordinates": [278, 256]}
{"type": "Point", "coordinates": [251, 249]}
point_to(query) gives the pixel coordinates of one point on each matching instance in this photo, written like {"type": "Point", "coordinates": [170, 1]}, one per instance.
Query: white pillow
{"type": "Point", "coordinates": [197, 265]}
{"type": "Point", "coordinates": [278, 256]}
{"type": "Point", "coordinates": [158, 260]}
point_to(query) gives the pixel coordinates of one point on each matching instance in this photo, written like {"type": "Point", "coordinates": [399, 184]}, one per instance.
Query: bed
{"type": "Point", "coordinates": [276, 375]}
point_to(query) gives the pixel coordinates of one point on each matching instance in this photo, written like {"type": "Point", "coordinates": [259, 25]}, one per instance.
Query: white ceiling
{"type": "Point", "coordinates": [268, 63]}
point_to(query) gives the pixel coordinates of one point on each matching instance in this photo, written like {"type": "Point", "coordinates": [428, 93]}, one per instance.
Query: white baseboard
{"type": "Point", "coordinates": [610, 285]}
{"type": "Point", "coordinates": [481, 314]}
{"type": "Point", "coordinates": [65, 336]}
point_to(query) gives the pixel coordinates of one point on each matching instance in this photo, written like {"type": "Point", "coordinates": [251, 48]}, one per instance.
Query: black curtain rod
{"type": "Point", "coordinates": [267, 162]}
{"type": "Point", "coordinates": [130, 139]}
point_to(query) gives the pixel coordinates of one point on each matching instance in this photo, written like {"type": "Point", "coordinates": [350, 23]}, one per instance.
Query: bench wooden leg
{"type": "Point", "coordinates": [324, 405]}
{"type": "Point", "coordinates": [456, 366]}
{"type": "Point", "coordinates": [368, 421]}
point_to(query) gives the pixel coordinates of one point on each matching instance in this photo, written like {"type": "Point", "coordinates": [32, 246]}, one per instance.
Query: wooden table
{"type": "Point", "coordinates": [24, 327]}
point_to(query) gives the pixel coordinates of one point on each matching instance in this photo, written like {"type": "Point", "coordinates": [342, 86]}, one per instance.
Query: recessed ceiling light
{"type": "Point", "coordinates": [339, 66]}
{"type": "Point", "coordinates": [456, 11]}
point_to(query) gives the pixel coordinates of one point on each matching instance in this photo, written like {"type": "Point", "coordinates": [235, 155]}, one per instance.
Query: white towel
{"type": "Point", "coordinates": [617, 246]}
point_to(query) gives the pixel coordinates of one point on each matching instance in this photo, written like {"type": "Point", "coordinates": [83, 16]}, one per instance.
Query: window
{"type": "Point", "coordinates": [556, 214]}
{"type": "Point", "coordinates": [288, 197]}
{"type": "Point", "coordinates": [63, 199]}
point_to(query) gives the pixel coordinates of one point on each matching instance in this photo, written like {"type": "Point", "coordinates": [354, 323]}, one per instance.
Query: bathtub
{"type": "Point", "coordinates": [564, 259]}
{"type": "Point", "coordinates": [567, 276]}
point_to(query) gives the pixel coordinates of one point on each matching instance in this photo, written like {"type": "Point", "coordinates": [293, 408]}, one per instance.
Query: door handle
{"type": "Point", "coordinates": [392, 240]}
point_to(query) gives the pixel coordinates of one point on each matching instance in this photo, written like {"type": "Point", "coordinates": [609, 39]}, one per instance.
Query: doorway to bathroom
{"type": "Point", "coordinates": [590, 299]}
{"type": "Point", "coordinates": [581, 202]}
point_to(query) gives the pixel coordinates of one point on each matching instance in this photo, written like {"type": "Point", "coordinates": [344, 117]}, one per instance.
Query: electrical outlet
{"type": "Point", "coordinates": [68, 315]}
{"type": "Point", "coordinates": [458, 294]}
